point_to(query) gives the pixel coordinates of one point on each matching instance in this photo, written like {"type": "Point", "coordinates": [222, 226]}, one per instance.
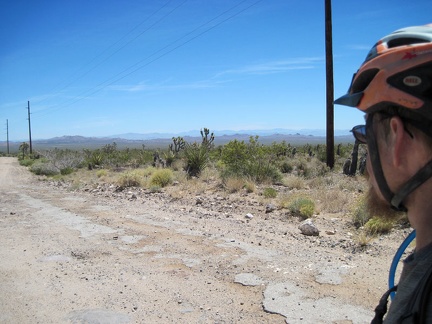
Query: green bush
{"type": "Point", "coordinates": [270, 193]}
{"type": "Point", "coordinates": [286, 167]}
{"type": "Point", "coordinates": [161, 178]}
{"type": "Point", "coordinates": [26, 162]}
{"type": "Point", "coordinates": [379, 225]}
{"type": "Point", "coordinates": [302, 207]}
{"type": "Point", "coordinates": [66, 171]}
{"type": "Point", "coordinates": [130, 179]}
{"type": "Point", "coordinates": [101, 173]}
{"type": "Point", "coordinates": [249, 161]}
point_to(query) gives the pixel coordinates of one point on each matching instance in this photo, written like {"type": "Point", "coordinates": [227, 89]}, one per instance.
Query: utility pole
{"type": "Point", "coordinates": [329, 85]}
{"type": "Point", "coordinates": [7, 135]}
{"type": "Point", "coordinates": [30, 140]}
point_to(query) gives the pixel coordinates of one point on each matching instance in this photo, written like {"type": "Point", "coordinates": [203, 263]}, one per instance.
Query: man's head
{"type": "Point", "coordinates": [394, 88]}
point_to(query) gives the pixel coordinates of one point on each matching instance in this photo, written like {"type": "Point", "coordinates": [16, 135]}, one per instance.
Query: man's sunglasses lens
{"type": "Point", "coordinates": [359, 133]}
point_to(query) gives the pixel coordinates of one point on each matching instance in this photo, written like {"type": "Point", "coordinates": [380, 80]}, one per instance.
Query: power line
{"type": "Point", "coordinates": [117, 77]}
{"type": "Point", "coordinates": [118, 50]}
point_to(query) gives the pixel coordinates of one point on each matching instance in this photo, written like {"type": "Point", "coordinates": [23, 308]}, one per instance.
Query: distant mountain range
{"type": "Point", "coordinates": [162, 140]}
{"type": "Point", "coordinates": [195, 133]}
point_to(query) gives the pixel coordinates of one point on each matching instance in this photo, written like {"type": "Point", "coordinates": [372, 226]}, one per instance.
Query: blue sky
{"type": "Point", "coordinates": [99, 68]}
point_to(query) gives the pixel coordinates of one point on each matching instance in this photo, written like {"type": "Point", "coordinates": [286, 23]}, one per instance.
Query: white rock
{"type": "Point", "coordinates": [249, 216]}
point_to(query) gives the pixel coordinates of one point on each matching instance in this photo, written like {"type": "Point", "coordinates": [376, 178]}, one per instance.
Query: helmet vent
{"type": "Point", "coordinates": [363, 80]}
{"type": "Point", "coordinates": [403, 41]}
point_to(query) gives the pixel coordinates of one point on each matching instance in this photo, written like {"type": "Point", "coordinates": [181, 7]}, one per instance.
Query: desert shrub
{"type": "Point", "coordinates": [248, 161]}
{"type": "Point", "coordinates": [360, 215]}
{"type": "Point", "coordinates": [233, 184]}
{"type": "Point", "coordinates": [66, 171]}
{"type": "Point", "coordinates": [270, 192]}
{"type": "Point", "coordinates": [210, 173]}
{"type": "Point", "coordinates": [130, 179]}
{"type": "Point", "coordinates": [264, 172]}
{"type": "Point", "coordinates": [294, 182]}
{"type": "Point", "coordinates": [65, 161]}
{"type": "Point", "coordinates": [26, 162]}
{"type": "Point", "coordinates": [233, 158]}
{"type": "Point", "coordinates": [333, 200]}
{"type": "Point", "coordinates": [302, 207]}
{"type": "Point", "coordinates": [161, 178]}
{"type": "Point", "coordinates": [250, 186]}
{"type": "Point", "coordinates": [286, 167]}
{"type": "Point", "coordinates": [379, 225]}
{"type": "Point", "coordinates": [95, 159]}
{"type": "Point", "coordinates": [101, 173]}
{"type": "Point", "coordinates": [42, 167]}
{"type": "Point", "coordinates": [363, 238]}
{"type": "Point", "coordinates": [154, 189]}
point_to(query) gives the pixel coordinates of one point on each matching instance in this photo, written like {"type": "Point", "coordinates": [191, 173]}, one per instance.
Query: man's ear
{"type": "Point", "coordinates": [398, 140]}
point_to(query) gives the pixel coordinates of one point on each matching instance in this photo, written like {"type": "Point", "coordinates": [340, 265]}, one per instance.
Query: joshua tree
{"type": "Point", "coordinates": [24, 147]}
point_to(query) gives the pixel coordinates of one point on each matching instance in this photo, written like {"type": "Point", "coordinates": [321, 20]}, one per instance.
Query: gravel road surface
{"type": "Point", "coordinates": [79, 257]}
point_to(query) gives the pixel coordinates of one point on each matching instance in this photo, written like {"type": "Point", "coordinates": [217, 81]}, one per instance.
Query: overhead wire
{"type": "Point", "coordinates": [117, 50]}
{"type": "Point", "coordinates": [119, 76]}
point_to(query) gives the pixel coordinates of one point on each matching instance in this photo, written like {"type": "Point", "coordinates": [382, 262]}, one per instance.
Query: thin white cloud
{"type": "Point", "coordinates": [165, 86]}
{"type": "Point", "coordinates": [265, 68]}
{"type": "Point", "coordinates": [273, 67]}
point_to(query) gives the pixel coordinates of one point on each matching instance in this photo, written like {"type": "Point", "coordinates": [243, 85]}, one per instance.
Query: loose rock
{"type": "Point", "coordinates": [308, 228]}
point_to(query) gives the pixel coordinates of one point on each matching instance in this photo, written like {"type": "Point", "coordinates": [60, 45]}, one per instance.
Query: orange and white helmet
{"type": "Point", "coordinates": [397, 72]}
{"type": "Point", "coordinates": [395, 78]}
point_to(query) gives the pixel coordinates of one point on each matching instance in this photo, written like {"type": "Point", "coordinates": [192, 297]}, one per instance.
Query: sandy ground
{"type": "Point", "coordinates": [93, 257]}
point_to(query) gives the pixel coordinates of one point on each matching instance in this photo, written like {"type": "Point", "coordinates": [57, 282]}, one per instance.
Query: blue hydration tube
{"type": "Point", "coordinates": [396, 258]}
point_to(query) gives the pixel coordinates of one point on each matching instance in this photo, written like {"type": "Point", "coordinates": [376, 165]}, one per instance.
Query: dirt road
{"type": "Point", "coordinates": [78, 257]}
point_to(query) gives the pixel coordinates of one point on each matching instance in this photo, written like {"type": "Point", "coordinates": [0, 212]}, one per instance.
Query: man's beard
{"type": "Point", "coordinates": [377, 206]}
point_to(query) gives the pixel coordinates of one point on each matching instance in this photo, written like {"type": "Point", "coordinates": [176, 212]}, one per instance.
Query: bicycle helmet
{"type": "Point", "coordinates": [396, 77]}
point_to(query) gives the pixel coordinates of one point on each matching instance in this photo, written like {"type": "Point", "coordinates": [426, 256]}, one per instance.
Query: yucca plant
{"type": "Point", "coordinates": [196, 156]}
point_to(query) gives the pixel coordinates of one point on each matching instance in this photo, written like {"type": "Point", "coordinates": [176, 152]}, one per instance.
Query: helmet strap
{"type": "Point", "coordinates": [418, 179]}
{"type": "Point", "coordinates": [395, 200]}
{"type": "Point", "coordinates": [376, 166]}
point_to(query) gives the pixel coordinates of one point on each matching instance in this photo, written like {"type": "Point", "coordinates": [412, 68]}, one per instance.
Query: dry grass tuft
{"type": "Point", "coordinates": [333, 200]}
{"type": "Point", "coordinates": [233, 184]}
{"type": "Point", "coordinates": [294, 182]}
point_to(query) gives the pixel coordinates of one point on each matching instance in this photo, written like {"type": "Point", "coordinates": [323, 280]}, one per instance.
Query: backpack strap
{"type": "Point", "coordinates": [418, 307]}
{"type": "Point", "coordinates": [381, 309]}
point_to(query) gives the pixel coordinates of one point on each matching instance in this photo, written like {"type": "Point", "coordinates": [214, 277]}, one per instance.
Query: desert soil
{"type": "Point", "coordinates": [102, 256]}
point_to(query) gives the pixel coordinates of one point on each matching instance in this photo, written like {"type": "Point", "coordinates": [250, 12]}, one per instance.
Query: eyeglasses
{"type": "Point", "coordinates": [359, 133]}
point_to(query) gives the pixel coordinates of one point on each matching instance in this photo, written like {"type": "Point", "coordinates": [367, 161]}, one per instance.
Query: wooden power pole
{"type": "Point", "coordinates": [7, 135]}
{"type": "Point", "coordinates": [30, 140]}
{"type": "Point", "coordinates": [329, 85]}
